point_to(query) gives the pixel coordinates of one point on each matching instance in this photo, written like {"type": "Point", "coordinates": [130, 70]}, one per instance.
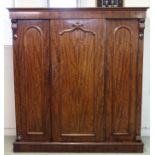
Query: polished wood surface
{"type": "Point", "coordinates": [74, 13]}
{"type": "Point", "coordinates": [78, 79]}
{"type": "Point", "coordinates": [121, 71]}
{"type": "Point", "coordinates": [115, 147]}
{"type": "Point", "coordinates": [31, 59]}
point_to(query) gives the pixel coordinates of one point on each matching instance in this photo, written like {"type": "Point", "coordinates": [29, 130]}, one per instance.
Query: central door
{"type": "Point", "coordinates": [77, 73]}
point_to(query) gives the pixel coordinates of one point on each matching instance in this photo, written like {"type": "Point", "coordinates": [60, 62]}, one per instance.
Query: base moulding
{"type": "Point", "coordinates": [125, 147]}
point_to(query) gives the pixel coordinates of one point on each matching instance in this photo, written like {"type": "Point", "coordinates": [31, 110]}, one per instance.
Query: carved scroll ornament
{"type": "Point", "coordinates": [141, 28]}
{"type": "Point", "coordinates": [14, 28]}
{"type": "Point", "coordinates": [77, 27]}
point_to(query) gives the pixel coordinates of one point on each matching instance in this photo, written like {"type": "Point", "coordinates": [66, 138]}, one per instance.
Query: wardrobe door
{"type": "Point", "coordinates": [77, 58]}
{"type": "Point", "coordinates": [120, 79]}
{"type": "Point", "coordinates": [31, 66]}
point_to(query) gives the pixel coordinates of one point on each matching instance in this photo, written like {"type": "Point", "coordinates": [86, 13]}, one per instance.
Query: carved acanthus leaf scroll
{"type": "Point", "coordinates": [14, 28]}
{"type": "Point", "coordinates": [141, 28]}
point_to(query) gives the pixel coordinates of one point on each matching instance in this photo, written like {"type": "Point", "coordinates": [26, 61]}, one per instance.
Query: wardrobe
{"type": "Point", "coordinates": [78, 79]}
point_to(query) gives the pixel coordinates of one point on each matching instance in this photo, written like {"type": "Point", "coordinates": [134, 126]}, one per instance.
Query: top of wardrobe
{"type": "Point", "coordinates": [74, 13]}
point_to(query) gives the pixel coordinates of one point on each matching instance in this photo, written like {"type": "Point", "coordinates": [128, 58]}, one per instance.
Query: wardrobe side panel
{"type": "Point", "coordinates": [120, 79]}
{"type": "Point", "coordinates": [31, 66]}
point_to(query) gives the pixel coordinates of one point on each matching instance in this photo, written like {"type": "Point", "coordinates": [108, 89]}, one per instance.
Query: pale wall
{"type": "Point", "coordinates": [9, 104]}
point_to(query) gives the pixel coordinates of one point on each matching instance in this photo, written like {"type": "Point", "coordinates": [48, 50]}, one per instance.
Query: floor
{"type": "Point", "coordinates": [8, 140]}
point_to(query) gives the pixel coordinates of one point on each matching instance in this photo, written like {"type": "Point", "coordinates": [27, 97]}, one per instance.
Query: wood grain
{"type": "Point", "coordinates": [121, 60]}
{"type": "Point", "coordinates": [76, 81]}
{"type": "Point", "coordinates": [34, 71]}
{"type": "Point", "coordinates": [78, 13]}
